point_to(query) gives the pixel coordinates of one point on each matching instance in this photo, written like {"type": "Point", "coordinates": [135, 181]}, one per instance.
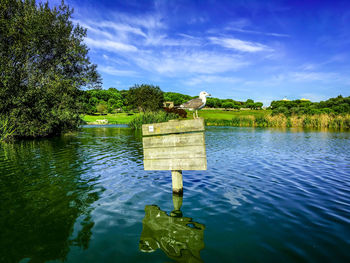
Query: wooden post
{"type": "Point", "coordinates": [175, 145]}
{"type": "Point", "coordinates": [177, 182]}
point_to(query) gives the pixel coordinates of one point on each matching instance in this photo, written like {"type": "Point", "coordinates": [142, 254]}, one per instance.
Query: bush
{"type": "Point", "coordinates": [228, 105]}
{"type": "Point", "coordinates": [151, 117]}
{"type": "Point", "coordinates": [181, 112]}
{"type": "Point", "coordinates": [101, 108]}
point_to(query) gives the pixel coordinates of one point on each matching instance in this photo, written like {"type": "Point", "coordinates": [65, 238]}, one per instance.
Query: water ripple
{"type": "Point", "coordinates": [268, 195]}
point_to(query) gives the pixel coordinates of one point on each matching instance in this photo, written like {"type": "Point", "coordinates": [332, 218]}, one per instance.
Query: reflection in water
{"type": "Point", "coordinates": [45, 200]}
{"type": "Point", "coordinates": [179, 237]}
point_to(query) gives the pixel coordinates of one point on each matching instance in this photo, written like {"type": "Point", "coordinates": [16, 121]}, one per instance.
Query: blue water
{"type": "Point", "coordinates": [268, 195]}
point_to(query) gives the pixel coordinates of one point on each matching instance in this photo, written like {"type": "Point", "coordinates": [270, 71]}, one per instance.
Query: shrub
{"type": "Point", "coordinates": [151, 117]}
{"type": "Point", "coordinates": [181, 112]}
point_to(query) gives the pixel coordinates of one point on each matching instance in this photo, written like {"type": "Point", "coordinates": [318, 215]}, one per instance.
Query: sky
{"type": "Point", "coordinates": [263, 50]}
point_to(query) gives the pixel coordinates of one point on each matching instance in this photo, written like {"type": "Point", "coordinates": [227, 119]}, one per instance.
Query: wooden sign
{"type": "Point", "coordinates": [173, 127]}
{"type": "Point", "coordinates": [176, 145]}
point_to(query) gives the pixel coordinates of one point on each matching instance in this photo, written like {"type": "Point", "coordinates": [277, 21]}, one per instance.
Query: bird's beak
{"type": "Point", "coordinates": [209, 94]}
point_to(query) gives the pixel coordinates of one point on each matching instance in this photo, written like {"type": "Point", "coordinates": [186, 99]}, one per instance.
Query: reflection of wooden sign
{"type": "Point", "coordinates": [179, 237]}
{"type": "Point", "coordinates": [175, 145]}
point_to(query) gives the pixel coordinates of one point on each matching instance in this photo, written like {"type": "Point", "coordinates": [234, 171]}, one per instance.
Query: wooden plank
{"type": "Point", "coordinates": [173, 140]}
{"type": "Point", "coordinates": [173, 127]}
{"type": "Point", "coordinates": [176, 164]}
{"type": "Point", "coordinates": [197, 151]}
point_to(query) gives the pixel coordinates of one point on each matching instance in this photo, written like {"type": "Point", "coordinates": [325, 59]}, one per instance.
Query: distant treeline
{"type": "Point", "coordinates": [113, 100]}
{"type": "Point", "coordinates": [338, 105]}
{"type": "Point", "coordinates": [148, 96]}
{"type": "Point", "coordinates": [179, 98]}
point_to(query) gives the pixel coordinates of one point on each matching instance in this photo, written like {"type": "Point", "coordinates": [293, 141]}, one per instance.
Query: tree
{"type": "Point", "coordinates": [101, 108]}
{"type": "Point", "coordinates": [145, 97]}
{"type": "Point", "coordinates": [249, 104]}
{"type": "Point", "coordinates": [258, 105]}
{"type": "Point", "coordinates": [43, 65]}
{"type": "Point", "coordinates": [228, 105]}
{"type": "Point", "coordinates": [177, 98]}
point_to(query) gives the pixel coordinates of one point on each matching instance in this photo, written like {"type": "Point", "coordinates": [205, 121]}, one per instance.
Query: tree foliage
{"type": "Point", "coordinates": [177, 98]}
{"type": "Point", "coordinates": [112, 98]}
{"type": "Point", "coordinates": [338, 105]}
{"type": "Point", "coordinates": [43, 65]}
{"type": "Point", "coordinates": [145, 97]}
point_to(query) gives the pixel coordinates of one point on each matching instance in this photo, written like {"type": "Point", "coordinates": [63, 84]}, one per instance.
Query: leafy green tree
{"type": "Point", "coordinates": [112, 97]}
{"type": "Point", "coordinates": [249, 104]}
{"type": "Point", "coordinates": [43, 65]}
{"type": "Point", "coordinates": [258, 105]}
{"type": "Point", "coordinates": [214, 103]}
{"type": "Point", "coordinates": [101, 107]}
{"type": "Point", "coordinates": [338, 105]}
{"type": "Point", "coordinates": [177, 98]}
{"type": "Point", "coordinates": [228, 105]}
{"type": "Point", "coordinates": [145, 97]}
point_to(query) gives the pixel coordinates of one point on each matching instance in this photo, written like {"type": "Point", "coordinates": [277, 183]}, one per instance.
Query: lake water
{"type": "Point", "coordinates": [268, 195]}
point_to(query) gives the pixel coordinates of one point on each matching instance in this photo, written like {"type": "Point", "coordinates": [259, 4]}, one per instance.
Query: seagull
{"type": "Point", "coordinates": [196, 104]}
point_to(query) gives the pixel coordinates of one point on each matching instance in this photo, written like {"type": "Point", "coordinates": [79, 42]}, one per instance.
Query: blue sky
{"type": "Point", "coordinates": [264, 50]}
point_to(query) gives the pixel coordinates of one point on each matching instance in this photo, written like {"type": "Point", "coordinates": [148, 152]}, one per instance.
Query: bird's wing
{"type": "Point", "coordinates": [193, 104]}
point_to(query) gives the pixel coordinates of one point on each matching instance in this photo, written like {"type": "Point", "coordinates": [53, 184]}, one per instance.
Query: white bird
{"type": "Point", "coordinates": [196, 104]}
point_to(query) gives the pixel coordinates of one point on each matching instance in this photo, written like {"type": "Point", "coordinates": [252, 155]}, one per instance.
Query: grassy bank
{"type": "Point", "coordinates": [246, 118]}
{"type": "Point", "coordinates": [117, 118]}
{"type": "Point", "coordinates": [303, 121]}
{"type": "Point", "coordinates": [228, 115]}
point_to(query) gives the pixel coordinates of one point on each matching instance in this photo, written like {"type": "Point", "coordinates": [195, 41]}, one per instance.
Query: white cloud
{"type": "Point", "coordinates": [240, 45]}
{"type": "Point", "coordinates": [175, 62]}
{"type": "Point", "coordinates": [119, 27]}
{"type": "Point", "coordinates": [110, 45]}
{"type": "Point", "coordinates": [314, 76]}
{"type": "Point", "coordinates": [201, 79]}
{"type": "Point", "coordinates": [164, 40]}
{"type": "Point", "coordinates": [256, 32]}
{"type": "Point", "coordinates": [113, 71]}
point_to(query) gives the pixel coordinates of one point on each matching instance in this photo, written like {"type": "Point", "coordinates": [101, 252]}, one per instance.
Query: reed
{"type": "Point", "coordinates": [6, 129]}
{"type": "Point", "coordinates": [280, 120]}
{"type": "Point", "coordinates": [151, 117]}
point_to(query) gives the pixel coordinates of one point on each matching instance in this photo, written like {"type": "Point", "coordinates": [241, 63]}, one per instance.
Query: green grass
{"type": "Point", "coordinates": [228, 115]}
{"type": "Point", "coordinates": [117, 118]}
{"type": "Point", "coordinates": [244, 118]}
{"type": "Point", "coordinates": [123, 118]}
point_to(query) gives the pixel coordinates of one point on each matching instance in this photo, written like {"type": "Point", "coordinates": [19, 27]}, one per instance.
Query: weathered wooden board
{"type": "Point", "coordinates": [174, 145]}
{"type": "Point", "coordinates": [176, 164]}
{"type": "Point", "coordinates": [173, 140]}
{"type": "Point", "coordinates": [173, 127]}
{"type": "Point", "coordinates": [180, 152]}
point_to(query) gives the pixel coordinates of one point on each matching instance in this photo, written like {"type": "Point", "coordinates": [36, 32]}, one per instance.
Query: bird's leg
{"type": "Point", "coordinates": [193, 115]}
{"type": "Point", "coordinates": [197, 114]}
